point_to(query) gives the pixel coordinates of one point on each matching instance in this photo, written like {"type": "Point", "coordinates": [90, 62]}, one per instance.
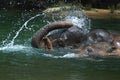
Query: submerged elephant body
{"type": "Point", "coordinates": [97, 42]}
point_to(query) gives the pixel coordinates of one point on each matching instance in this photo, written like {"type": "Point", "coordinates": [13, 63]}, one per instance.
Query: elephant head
{"type": "Point", "coordinates": [38, 36]}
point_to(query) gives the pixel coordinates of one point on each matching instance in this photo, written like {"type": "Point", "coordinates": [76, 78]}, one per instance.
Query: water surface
{"type": "Point", "coordinates": [20, 61]}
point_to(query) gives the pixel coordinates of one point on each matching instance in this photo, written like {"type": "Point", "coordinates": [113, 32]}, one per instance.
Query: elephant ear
{"type": "Point", "coordinates": [38, 36]}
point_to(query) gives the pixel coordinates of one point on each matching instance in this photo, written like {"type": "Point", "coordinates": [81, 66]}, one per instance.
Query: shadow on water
{"type": "Point", "coordinates": [19, 61]}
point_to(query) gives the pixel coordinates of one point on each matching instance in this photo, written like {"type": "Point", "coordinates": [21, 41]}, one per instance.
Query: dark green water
{"type": "Point", "coordinates": [22, 62]}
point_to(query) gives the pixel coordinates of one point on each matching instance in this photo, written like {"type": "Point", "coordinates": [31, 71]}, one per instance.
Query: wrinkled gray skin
{"type": "Point", "coordinates": [70, 37]}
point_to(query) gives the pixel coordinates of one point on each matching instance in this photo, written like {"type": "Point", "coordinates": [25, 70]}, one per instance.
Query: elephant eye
{"type": "Point", "coordinates": [89, 49]}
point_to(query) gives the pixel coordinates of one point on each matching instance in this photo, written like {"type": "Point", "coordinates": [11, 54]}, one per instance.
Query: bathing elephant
{"type": "Point", "coordinates": [102, 43]}
{"type": "Point", "coordinates": [38, 36]}
{"type": "Point", "coordinates": [64, 34]}
{"type": "Point", "coordinates": [99, 42]}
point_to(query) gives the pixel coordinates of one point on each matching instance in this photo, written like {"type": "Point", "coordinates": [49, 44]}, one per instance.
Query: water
{"type": "Point", "coordinates": [19, 61]}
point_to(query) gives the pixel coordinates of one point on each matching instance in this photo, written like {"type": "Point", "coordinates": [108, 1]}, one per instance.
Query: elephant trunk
{"type": "Point", "coordinates": [38, 36]}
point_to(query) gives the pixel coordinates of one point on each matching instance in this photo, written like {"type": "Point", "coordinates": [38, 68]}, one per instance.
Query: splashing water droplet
{"type": "Point", "coordinates": [17, 33]}
{"type": "Point", "coordinates": [80, 20]}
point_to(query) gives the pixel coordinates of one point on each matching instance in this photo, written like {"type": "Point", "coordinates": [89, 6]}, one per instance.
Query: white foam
{"type": "Point", "coordinates": [12, 48]}
{"type": "Point", "coordinates": [69, 55]}
{"type": "Point", "coordinates": [52, 56]}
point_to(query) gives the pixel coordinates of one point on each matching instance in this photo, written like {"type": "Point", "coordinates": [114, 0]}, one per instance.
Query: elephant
{"type": "Point", "coordinates": [38, 36]}
{"type": "Point", "coordinates": [98, 42]}
{"type": "Point", "coordinates": [101, 42]}
{"type": "Point", "coordinates": [60, 38]}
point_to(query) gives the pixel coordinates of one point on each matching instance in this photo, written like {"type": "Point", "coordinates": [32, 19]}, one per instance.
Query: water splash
{"type": "Point", "coordinates": [79, 19]}
{"type": "Point", "coordinates": [18, 32]}
{"type": "Point", "coordinates": [13, 48]}
{"type": "Point", "coordinates": [10, 45]}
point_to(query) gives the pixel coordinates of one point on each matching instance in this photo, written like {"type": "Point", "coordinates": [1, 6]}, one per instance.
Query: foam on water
{"type": "Point", "coordinates": [13, 48]}
{"type": "Point", "coordinates": [67, 55]}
